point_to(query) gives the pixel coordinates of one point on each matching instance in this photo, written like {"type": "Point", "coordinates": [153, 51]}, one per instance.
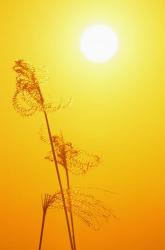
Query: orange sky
{"type": "Point", "coordinates": [117, 112]}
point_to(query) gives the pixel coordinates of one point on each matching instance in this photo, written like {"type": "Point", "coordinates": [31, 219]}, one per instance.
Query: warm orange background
{"type": "Point", "coordinates": [117, 112]}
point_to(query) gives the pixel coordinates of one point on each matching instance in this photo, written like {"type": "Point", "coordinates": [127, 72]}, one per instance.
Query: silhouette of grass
{"type": "Point", "coordinates": [46, 203]}
{"type": "Point", "coordinates": [75, 160]}
{"type": "Point", "coordinates": [71, 158]}
{"type": "Point", "coordinates": [27, 100]}
{"type": "Point", "coordinates": [90, 210]}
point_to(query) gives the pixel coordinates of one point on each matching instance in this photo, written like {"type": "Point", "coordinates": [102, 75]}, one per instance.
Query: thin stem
{"type": "Point", "coordinates": [42, 229]}
{"type": "Point", "coordinates": [70, 207]}
{"type": "Point", "coordinates": [57, 169]}
{"type": "Point", "coordinates": [59, 179]}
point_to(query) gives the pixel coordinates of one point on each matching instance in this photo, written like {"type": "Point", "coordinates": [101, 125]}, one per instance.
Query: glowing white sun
{"type": "Point", "coordinates": [99, 43]}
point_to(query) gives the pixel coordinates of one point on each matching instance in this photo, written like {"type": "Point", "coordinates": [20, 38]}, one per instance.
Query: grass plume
{"type": "Point", "coordinates": [27, 100]}
{"type": "Point", "coordinates": [90, 210]}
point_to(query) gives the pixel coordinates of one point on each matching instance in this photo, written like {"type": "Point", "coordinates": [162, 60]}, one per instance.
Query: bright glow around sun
{"type": "Point", "coordinates": [99, 43]}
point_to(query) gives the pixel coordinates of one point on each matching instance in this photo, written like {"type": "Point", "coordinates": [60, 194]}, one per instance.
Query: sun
{"type": "Point", "coordinates": [99, 43]}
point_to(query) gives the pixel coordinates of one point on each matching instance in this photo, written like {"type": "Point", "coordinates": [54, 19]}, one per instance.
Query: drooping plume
{"type": "Point", "coordinates": [77, 161]}
{"type": "Point", "coordinates": [90, 210]}
{"type": "Point", "coordinates": [28, 98]}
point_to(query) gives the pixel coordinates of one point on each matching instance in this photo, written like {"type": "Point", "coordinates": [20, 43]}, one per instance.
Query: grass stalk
{"type": "Point", "coordinates": [42, 229]}
{"type": "Point", "coordinates": [70, 207]}
{"type": "Point", "coordinates": [59, 180]}
{"type": "Point", "coordinates": [57, 171]}
{"type": "Point", "coordinates": [28, 89]}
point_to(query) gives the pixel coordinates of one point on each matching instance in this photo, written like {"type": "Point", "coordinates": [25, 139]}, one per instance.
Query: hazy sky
{"type": "Point", "coordinates": [117, 112]}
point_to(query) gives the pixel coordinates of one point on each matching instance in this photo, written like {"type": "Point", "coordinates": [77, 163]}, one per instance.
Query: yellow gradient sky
{"type": "Point", "coordinates": [117, 112]}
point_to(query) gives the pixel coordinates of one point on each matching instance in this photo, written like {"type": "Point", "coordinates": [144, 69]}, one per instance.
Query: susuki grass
{"type": "Point", "coordinates": [27, 100]}
{"type": "Point", "coordinates": [71, 159]}
{"type": "Point", "coordinates": [46, 203]}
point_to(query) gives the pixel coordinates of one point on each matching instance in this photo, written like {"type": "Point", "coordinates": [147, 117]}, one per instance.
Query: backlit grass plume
{"type": "Point", "coordinates": [90, 210]}
{"type": "Point", "coordinates": [47, 202]}
{"type": "Point", "coordinates": [75, 160]}
{"type": "Point", "coordinates": [27, 100]}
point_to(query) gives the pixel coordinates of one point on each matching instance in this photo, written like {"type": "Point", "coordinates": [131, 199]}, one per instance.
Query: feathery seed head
{"type": "Point", "coordinates": [89, 209]}
{"type": "Point", "coordinates": [28, 97]}
{"type": "Point", "coordinates": [75, 160]}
